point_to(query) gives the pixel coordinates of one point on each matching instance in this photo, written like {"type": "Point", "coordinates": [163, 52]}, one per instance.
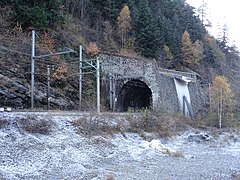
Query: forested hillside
{"type": "Point", "coordinates": [163, 29]}
{"type": "Point", "coordinates": [168, 31]}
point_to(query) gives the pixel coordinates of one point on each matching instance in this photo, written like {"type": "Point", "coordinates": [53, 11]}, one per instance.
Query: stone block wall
{"type": "Point", "coordinates": [164, 95]}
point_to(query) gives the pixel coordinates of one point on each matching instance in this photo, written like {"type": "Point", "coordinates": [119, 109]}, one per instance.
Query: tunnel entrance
{"type": "Point", "coordinates": [134, 96]}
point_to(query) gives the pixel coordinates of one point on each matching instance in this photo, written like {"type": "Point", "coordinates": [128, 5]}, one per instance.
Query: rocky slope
{"type": "Point", "coordinates": [15, 76]}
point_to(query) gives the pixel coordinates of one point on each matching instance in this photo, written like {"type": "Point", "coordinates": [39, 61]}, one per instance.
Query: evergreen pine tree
{"type": "Point", "coordinates": [146, 31]}
{"type": "Point", "coordinates": [110, 10]}
{"type": "Point", "coordinates": [39, 14]}
{"type": "Point", "coordinates": [223, 39]}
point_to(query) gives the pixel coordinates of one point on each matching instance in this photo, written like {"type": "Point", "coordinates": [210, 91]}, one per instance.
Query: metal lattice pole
{"type": "Point", "coordinates": [32, 69]}
{"type": "Point", "coordinates": [111, 91]}
{"type": "Point", "coordinates": [48, 87]}
{"type": "Point", "coordinates": [98, 85]}
{"type": "Point", "coordinates": [80, 78]}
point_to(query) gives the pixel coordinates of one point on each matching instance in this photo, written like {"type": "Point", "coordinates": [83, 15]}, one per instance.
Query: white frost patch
{"type": "Point", "coordinates": [158, 146]}
{"type": "Point", "coordinates": [132, 146]}
{"type": "Point", "coordinates": [234, 149]}
{"type": "Point", "coordinates": [64, 154]}
{"type": "Point", "coordinates": [136, 148]}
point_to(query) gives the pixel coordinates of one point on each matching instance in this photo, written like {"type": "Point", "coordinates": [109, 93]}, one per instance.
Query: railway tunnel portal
{"type": "Point", "coordinates": [136, 84]}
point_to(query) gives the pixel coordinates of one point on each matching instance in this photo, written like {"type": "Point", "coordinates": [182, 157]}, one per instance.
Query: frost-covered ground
{"type": "Point", "coordinates": [64, 154]}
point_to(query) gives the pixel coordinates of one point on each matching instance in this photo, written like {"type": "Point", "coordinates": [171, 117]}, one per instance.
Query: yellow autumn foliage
{"type": "Point", "coordinates": [124, 26]}
{"type": "Point", "coordinates": [93, 49]}
{"type": "Point", "coordinates": [222, 100]}
{"type": "Point", "coordinates": [222, 89]}
{"type": "Point", "coordinates": [192, 52]}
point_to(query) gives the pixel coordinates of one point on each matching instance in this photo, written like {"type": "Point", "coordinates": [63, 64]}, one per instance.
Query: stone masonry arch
{"type": "Point", "coordinates": [134, 95]}
{"type": "Point", "coordinates": [137, 83]}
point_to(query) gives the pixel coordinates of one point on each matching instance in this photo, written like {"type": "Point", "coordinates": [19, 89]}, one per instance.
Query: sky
{"type": "Point", "coordinates": [221, 12]}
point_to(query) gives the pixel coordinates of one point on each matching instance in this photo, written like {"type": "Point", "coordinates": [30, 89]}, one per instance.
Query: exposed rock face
{"type": "Point", "coordinates": [14, 93]}
{"type": "Point", "coordinates": [15, 87]}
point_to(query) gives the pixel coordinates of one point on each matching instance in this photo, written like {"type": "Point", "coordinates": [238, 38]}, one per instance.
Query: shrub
{"type": "Point", "coordinates": [110, 177]}
{"type": "Point", "coordinates": [145, 123]}
{"type": "Point", "coordinates": [33, 125]}
{"type": "Point", "coordinates": [95, 125]}
{"type": "Point", "coordinates": [164, 125]}
{"type": "Point", "coordinates": [236, 175]}
{"type": "Point", "coordinates": [3, 123]}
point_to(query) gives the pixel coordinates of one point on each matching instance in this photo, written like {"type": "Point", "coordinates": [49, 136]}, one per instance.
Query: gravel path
{"type": "Point", "coordinates": [64, 154]}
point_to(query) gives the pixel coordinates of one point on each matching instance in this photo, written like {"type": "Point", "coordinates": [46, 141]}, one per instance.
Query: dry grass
{"type": "Point", "coordinates": [95, 125]}
{"type": "Point", "coordinates": [236, 175]}
{"type": "Point", "coordinates": [33, 125]}
{"type": "Point", "coordinates": [164, 125]}
{"type": "Point", "coordinates": [110, 177]}
{"type": "Point", "coordinates": [175, 153]}
{"type": "Point", "coordinates": [3, 123]}
{"type": "Point", "coordinates": [159, 124]}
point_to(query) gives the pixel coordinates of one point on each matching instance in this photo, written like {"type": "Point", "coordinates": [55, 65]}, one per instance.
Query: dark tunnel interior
{"type": "Point", "coordinates": [134, 95]}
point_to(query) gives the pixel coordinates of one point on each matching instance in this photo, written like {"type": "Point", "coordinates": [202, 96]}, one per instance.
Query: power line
{"type": "Point", "coordinates": [8, 50]}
